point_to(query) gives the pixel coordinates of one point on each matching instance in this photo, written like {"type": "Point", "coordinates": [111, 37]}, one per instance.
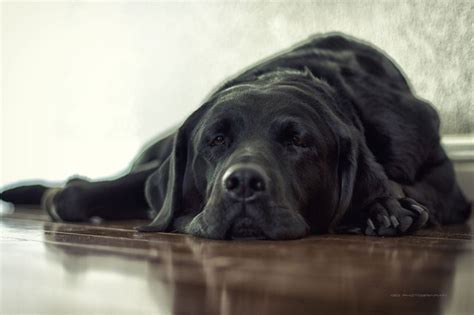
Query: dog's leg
{"type": "Point", "coordinates": [436, 187]}
{"type": "Point", "coordinates": [396, 209]}
{"type": "Point", "coordinates": [379, 205]}
{"type": "Point", "coordinates": [80, 200]}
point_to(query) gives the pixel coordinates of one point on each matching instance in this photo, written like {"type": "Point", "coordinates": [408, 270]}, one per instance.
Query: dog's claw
{"type": "Point", "coordinates": [405, 223]}
{"type": "Point", "coordinates": [394, 221]}
{"type": "Point", "coordinates": [370, 231]}
{"type": "Point", "coordinates": [424, 217]}
{"type": "Point", "coordinates": [419, 209]}
{"type": "Point", "coordinates": [421, 213]}
{"type": "Point", "coordinates": [370, 224]}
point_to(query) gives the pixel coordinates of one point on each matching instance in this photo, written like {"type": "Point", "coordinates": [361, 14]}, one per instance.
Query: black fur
{"type": "Point", "coordinates": [333, 133]}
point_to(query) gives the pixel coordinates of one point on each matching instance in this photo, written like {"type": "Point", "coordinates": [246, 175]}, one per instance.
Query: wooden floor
{"type": "Point", "coordinates": [57, 268]}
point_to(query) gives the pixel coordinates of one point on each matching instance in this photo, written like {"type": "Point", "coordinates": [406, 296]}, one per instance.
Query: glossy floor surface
{"type": "Point", "coordinates": [56, 268]}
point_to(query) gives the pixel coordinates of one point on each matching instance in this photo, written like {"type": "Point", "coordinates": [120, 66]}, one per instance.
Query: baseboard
{"type": "Point", "coordinates": [460, 149]}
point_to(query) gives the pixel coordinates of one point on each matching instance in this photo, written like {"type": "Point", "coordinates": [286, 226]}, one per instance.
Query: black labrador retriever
{"type": "Point", "coordinates": [325, 137]}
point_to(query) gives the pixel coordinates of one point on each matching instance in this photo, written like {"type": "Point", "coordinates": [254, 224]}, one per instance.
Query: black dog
{"type": "Point", "coordinates": [327, 136]}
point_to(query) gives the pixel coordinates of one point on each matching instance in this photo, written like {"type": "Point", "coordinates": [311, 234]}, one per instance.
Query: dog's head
{"type": "Point", "coordinates": [272, 158]}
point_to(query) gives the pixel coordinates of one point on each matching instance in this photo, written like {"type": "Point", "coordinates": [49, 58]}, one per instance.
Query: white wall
{"type": "Point", "coordinates": [84, 85]}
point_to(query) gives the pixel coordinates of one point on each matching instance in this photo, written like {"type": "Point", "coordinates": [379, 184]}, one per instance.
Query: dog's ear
{"type": "Point", "coordinates": [164, 188]}
{"type": "Point", "coordinates": [347, 166]}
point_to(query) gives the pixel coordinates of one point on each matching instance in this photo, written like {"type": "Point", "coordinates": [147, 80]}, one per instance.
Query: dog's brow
{"type": "Point", "coordinates": [289, 121]}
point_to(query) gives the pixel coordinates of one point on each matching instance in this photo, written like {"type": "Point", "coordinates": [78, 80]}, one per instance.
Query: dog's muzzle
{"type": "Point", "coordinates": [247, 184]}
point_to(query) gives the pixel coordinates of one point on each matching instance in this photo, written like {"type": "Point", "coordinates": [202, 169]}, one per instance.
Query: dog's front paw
{"type": "Point", "coordinates": [66, 204]}
{"type": "Point", "coordinates": [390, 217]}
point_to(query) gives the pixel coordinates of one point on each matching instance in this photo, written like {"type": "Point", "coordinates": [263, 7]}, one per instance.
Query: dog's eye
{"type": "Point", "coordinates": [218, 140]}
{"type": "Point", "coordinates": [298, 141]}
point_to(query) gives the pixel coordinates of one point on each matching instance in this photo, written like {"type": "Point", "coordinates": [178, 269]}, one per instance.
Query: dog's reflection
{"type": "Point", "coordinates": [333, 274]}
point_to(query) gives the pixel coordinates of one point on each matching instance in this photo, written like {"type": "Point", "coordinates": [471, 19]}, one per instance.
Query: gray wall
{"type": "Point", "coordinates": [84, 85]}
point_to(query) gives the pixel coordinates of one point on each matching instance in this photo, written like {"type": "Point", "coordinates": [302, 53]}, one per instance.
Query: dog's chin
{"type": "Point", "coordinates": [237, 222]}
{"type": "Point", "coordinates": [244, 228]}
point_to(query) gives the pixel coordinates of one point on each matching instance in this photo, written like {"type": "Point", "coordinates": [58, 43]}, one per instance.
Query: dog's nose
{"type": "Point", "coordinates": [245, 181]}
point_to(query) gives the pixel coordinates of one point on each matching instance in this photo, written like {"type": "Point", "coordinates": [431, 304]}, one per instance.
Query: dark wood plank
{"type": "Point", "coordinates": [50, 267]}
